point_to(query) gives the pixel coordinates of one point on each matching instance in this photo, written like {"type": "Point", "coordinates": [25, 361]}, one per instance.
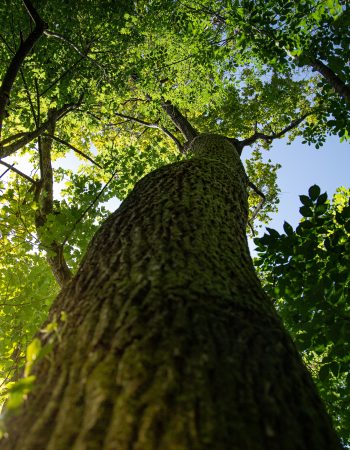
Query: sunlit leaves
{"type": "Point", "coordinates": [264, 176]}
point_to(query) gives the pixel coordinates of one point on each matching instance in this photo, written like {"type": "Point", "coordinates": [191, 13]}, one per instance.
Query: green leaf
{"type": "Point", "coordinates": [288, 229]}
{"type": "Point", "coordinates": [273, 233]}
{"type": "Point", "coordinates": [314, 192]}
{"type": "Point", "coordinates": [305, 200]}
{"type": "Point", "coordinates": [322, 198]}
{"type": "Point", "coordinates": [33, 350]}
{"type": "Point", "coordinates": [306, 211]}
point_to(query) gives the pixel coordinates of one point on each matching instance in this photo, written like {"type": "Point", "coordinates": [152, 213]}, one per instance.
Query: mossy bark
{"type": "Point", "coordinates": [171, 344]}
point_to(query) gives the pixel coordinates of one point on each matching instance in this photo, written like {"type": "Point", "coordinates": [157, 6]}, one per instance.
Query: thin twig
{"type": "Point", "coordinates": [155, 126]}
{"type": "Point", "coordinates": [75, 48]}
{"type": "Point", "coordinates": [76, 150]}
{"type": "Point", "coordinates": [29, 98]}
{"type": "Point", "coordinates": [66, 40]}
{"type": "Point", "coordinates": [259, 206]}
{"type": "Point", "coordinates": [89, 207]}
{"type": "Point", "coordinates": [61, 76]}
{"type": "Point", "coordinates": [5, 172]}
{"type": "Point", "coordinates": [23, 175]}
{"type": "Point", "coordinates": [6, 44]}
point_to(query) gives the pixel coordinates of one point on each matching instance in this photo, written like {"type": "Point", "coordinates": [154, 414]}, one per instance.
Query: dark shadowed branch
{"type": "Point", "coordinates": [271, 137]}
{"type": "Point", "coordinates": [16, 62]}
{"type": "Point", "coordinates": [153, 125]}
{"type": "Point", "coordinates": [23, 175]}
{"type": "Point", "coordinates": [72, 147]}
{"type": "Point", "coordinates": [180, 121]}
{"type": "Point", "coordinates": [258, 207]}
{"type": "Point", "coordinates": [337, 83]}
{"type": "Point", "coordinates": [26, 138]}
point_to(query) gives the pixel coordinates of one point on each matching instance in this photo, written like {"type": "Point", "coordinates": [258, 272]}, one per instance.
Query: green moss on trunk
{"type": "Point", "coordinates": [171, 343]}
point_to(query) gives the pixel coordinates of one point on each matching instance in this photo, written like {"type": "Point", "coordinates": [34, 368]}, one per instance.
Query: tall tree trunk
{"type": "Point", "coordinates": [170, 342]}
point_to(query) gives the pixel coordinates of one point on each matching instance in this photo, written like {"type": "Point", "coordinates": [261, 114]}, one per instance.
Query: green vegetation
{"type": "Point", "coordinates": [96, 94]}
{"type": "Point", "coordinates": [306, 271]}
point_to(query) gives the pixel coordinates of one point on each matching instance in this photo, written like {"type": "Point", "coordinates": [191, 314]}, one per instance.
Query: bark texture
{"type": "Point", "coordinates": [170, 342]}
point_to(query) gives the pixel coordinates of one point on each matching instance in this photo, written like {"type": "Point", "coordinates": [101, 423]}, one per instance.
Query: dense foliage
{"type": "Point", "coordinates": [307, 272]}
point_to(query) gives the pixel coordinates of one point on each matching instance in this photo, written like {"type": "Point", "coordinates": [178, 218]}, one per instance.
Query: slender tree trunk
{"type": "Point", "coordinates": [170, 342]}
{"type": "Point", "coordinates": [45, 201]}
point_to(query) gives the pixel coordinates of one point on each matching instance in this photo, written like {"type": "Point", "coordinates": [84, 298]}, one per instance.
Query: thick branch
{"type": "Point", "coordinates": [23, 175]}
{"type": "Point", "coordinates": [269, 138]}
{"type": "Point", "coordinates": [337, 83]}
{"type": "Point", "coordinates": [180, 121]}
{"type": "Point", "coordinates": [18, 58]}
{"type": "Point", "coordinates": [30, 136]}
{"type": "Point", "coordinates": [44, 199]}
{"type": "Point", "coordinates": [153, 125]}
{"type": "Point", "coordinates": [58, 264]}
{"type": "Point", "coordinates": [76, 150]}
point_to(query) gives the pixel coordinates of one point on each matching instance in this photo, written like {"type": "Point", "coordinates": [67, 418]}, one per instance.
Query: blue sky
{"type": "Point", "coordinates": [303, 166]}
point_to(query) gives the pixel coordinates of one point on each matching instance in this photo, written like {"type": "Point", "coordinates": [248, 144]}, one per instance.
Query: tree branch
{"type": "Point", "coordinates": [29, 98]}
{"type": "Point", "coordinates": [23, 175]}
{"type": "Point", "coordinates": [49, 33]}
{"type": "Point", "coordinates": [180, 121]}
{"type": "Point", "coordinates": [44, 200]}
{"type": "Point", "coordinates": [84, 55]}
{"type": "Point", "coordinates": [59, 78]}
{"type": "Point", "coordinates": [270, 138]}
{"type": "Point", "coordinates": [89, 207]}
{"type": "Point", "coordinates": [67, 144]}
{"type": "Point", "coordinates": [30, 136]}
{"type": "Point", "coordinates": [258, 207]}
{"type": "Point", "coordinates": [18, 58]}
{"type": "Point", "coordinates": [154, 125]}
{"type": "Point", "coordinates": [337, 83]}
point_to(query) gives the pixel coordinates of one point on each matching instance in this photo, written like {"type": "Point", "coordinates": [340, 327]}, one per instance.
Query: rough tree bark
{"type": "Point", "coordinates": [170, 343]}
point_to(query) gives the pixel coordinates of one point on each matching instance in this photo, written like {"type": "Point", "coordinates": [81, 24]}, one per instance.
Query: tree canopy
{"type": "Point", "coordinates": [95, 94]}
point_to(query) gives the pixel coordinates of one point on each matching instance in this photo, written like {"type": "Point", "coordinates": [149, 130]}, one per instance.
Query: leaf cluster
{"type": "Point", "coordinates": [306, 271]}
